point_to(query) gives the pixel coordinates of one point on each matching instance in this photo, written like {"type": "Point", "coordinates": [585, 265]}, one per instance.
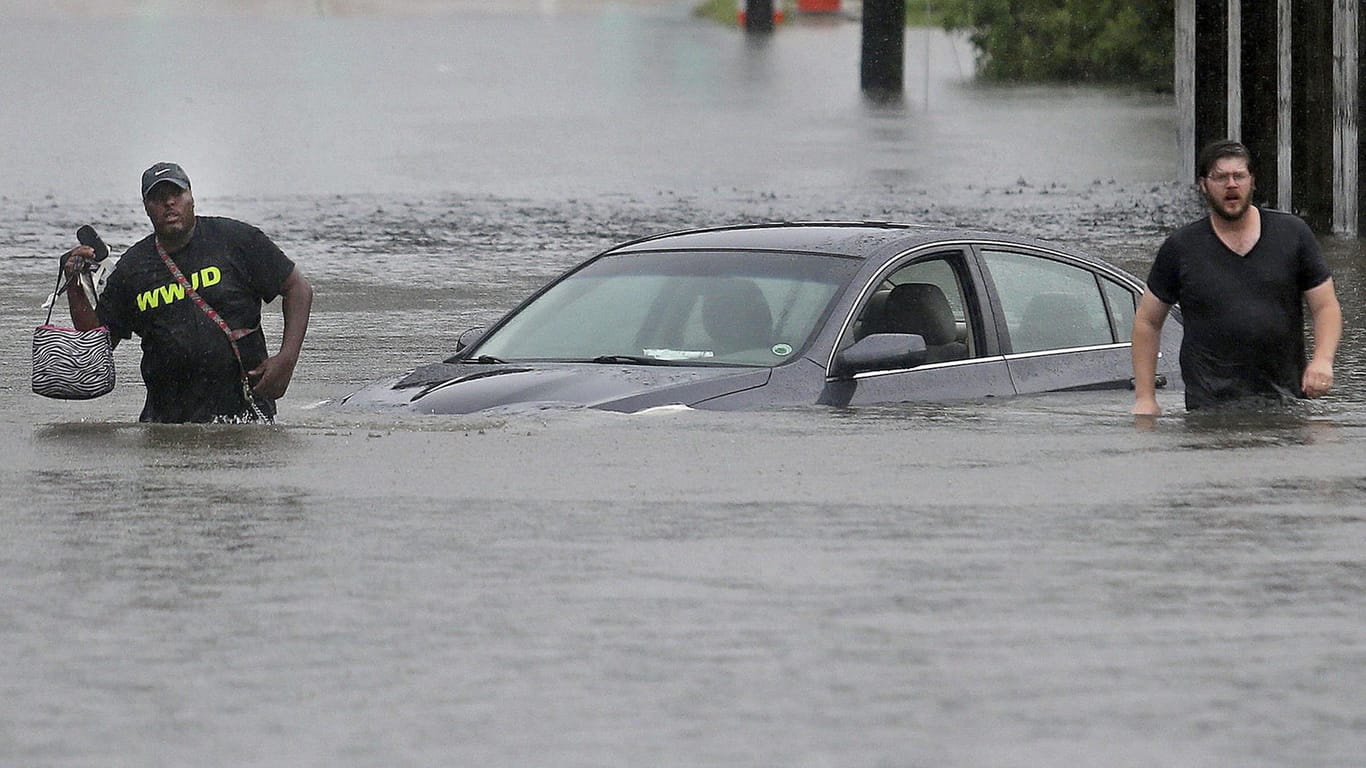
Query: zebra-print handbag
{"type": "Point", "coordinates": [69, 364]}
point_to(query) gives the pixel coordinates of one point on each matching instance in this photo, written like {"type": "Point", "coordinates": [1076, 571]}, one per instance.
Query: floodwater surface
{"type": "Point", "coordinates": [1029, 582]}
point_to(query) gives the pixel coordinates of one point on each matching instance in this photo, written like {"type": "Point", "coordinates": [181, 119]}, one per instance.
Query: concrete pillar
{"type": "Point", "coordinates": [882, 68]}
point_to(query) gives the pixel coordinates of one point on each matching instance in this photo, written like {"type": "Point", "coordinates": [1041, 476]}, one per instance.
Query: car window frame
{"type": "Point", "coordinates": [966, 269]}
{"type": "Point", "coordinates": [1098, 271]}
{"type": "Point", "coordinates": [822, 322]}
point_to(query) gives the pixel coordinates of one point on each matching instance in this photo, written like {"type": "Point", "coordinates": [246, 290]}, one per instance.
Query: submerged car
{"type": "Point", "coordinates": [836, 314]}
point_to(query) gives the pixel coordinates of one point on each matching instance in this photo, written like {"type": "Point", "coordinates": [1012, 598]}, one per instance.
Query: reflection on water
{"type": "Point", "coordinates": [1017, 583]}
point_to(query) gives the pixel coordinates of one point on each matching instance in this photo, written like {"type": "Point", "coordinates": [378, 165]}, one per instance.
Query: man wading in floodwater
{"type": "Point", "coordinates": [1239, 276]}
{"type": "Point", "coordinates": [196, 368]}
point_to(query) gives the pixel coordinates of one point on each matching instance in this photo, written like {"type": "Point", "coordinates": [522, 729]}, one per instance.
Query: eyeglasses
{"type": "Point", "coordinates": [1237, 177]}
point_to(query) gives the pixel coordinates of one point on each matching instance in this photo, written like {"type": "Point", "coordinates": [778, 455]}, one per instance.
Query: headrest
{"type": "Point", "coordinates": [921, 308]}
{"type": "Point", "coordinates": [736, 315]}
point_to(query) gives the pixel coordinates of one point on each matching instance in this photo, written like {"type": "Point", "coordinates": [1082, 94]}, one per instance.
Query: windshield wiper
{"type": "Point", "coordinates": [630, 360]}
{"type": "Point", "coordinates": [487, 360]}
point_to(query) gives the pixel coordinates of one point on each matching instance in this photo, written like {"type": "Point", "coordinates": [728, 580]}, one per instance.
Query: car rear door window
{"type": "Point", "coordinates": [1121, 301]}
{"type": "Point", "coordinates": [1048, 304]}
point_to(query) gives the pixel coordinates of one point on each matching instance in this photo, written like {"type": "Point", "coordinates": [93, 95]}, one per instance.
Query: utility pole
{"type": "Point", "coordinates": [884, 47]}
{"type": "Point", "coordinates": [758, 16]}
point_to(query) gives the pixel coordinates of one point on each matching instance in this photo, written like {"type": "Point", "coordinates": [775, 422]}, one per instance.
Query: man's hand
{"type": "Point", "coordinates": [1318, 379]}
{"type": "Point", "coordinates": [74, 262]}
{"type": "Point", "coordinates": [1146, 406]}
{"type": "Point", "coordinates": [1326, 316]}
{"type": "Point", "coordinates": [77, 260]}
{"type": "Point", "coordinates": [271, 378]}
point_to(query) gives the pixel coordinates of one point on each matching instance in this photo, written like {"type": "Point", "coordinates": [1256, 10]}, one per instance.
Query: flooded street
{"type": "Point", "coordinates": [1032, 582]}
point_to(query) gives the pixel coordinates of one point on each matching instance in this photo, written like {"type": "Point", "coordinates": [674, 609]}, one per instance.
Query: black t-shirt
{"type": "Point", "coordinates": [187, 360]}
{"type": "Point", "coordinates": [1243, 316]}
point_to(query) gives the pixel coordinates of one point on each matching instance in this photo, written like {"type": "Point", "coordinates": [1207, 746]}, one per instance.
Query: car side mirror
{"type": "Point", "coordinates": [881, 351]}
{"type": "Point", "coordinates": [467, 338]}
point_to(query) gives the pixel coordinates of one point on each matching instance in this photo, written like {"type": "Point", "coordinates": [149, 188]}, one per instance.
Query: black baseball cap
{"type": "Point", "coordinates": [163, 172]}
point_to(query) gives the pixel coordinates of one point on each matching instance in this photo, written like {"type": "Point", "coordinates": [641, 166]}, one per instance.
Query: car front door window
{"type": "Point", "coordinates": [926, 299]}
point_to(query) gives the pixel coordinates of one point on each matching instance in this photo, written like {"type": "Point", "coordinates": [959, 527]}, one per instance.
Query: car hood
{"type": "Point", "coordinates": [467, 387]}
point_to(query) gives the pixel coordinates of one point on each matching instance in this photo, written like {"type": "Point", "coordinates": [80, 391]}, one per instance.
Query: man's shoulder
{"type": "Point", "coordinates": [1189, 233]}
{"type": "Point", "coordinates": [222, 226]}
{"type": "Point", "coordinates": [1272, 217]}
{"type": "Point", "coordinates": [137, 252]}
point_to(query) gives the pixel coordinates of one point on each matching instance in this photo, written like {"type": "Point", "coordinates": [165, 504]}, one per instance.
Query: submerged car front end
{"type": "Point", "coordinates": [469, 387]}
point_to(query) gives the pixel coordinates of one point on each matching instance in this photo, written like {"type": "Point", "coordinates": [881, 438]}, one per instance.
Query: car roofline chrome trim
{"type": "Point", "coordinates": [1006, 358]}
{"type": "Point", "coordinates": [926, 366]}
{"type": "Point", "coordinates": [1067, 350]}
{"type": "Point", "coordinates": [889, 265]}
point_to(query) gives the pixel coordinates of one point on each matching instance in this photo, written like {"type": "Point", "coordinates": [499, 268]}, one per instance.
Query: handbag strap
{"type": "Point", "coordinates": [59, 289]}
{"type": "Point", "coordinates": [232, 335]}
{"type": "Point", "coordinates": [218, 320]}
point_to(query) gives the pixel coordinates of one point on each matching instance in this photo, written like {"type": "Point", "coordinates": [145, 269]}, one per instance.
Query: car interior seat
{"type": "Point", "coordinates": [923, 309]}
{"type": "Point", "coordinates": [1056, 320]}
{"type": "Point", "coordinates": [736, 316]}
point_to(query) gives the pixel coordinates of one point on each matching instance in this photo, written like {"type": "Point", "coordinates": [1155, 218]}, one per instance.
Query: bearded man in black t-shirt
{"type": "Point", "coordinates": [192, 291]}
{"type": "Point", "coordinates": [1242, 276]}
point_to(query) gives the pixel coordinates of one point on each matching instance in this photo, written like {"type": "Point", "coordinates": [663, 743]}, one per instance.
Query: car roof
{"type": "Point", "coordinates": [853, 239]}
{"type": "Point", "coordinates": [859, 239]}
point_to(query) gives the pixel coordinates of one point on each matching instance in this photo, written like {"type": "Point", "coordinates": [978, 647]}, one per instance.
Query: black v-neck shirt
{"type": "Point", "coordinates": [1243, 315]}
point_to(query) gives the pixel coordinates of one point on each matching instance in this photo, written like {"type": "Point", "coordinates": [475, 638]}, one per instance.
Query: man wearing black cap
{"type": "Point", "coordinates": [192, 290]}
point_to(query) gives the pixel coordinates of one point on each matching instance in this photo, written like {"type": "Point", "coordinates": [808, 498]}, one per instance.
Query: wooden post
{"type": "Point", "coordinates": [882, 68]}
{"type": "Point", "coordinates": [1285, 124]}
{"type": "Point", "coordinates": [1286, 79]}
{"type": "Point", "coordinates": [1184, 86]}
{"type": "Point", "coordinates": [1233, 71]}
{"type": "Point", "coordinates": [759, 16]}
{"type": "Point", "coordinates": [1211, 71]}
{"type": "Point", "coordinates": [1345, 146]}
{"type": "Point", "coordinates": [1312, 113]}
{"type": "Point", "coordinates": [1260, 91]}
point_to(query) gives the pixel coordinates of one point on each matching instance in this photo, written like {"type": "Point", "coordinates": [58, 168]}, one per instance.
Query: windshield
{"type": "Point", "coordinates": [741, 308]}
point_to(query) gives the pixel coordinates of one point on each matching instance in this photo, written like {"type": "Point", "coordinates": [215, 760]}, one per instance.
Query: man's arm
{"type": "Point", "coordinates": [1327, 320]}
{"type": "Point", "coordinates": [1148, 321]}
{"type": "Point", "coordinates": [273, 375]}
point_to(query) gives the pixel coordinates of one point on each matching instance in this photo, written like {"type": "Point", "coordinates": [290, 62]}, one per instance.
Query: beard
{"type": "Point", "coordinates": [1218, 205]}
{"type": "Point", "coordinates": [178, 230]}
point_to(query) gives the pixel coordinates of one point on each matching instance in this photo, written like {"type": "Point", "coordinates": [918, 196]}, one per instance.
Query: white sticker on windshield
{"type": "Point", "coordinates": [678, 354]}
{"type": "Point", "coordinates": [781, 350]}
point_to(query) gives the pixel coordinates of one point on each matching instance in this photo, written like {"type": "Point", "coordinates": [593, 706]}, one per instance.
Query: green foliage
{"type": "Point", "coordinates": [1087, 40]}
{"type": "Point", "coordinates": [1126, 41]}
{"type": "Point", "coordinates": [722, 11]}
{"type": "Point", "coordinates": [924, 13]}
